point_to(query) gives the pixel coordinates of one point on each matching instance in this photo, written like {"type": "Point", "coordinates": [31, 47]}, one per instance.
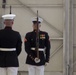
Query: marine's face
{"type": "Point", "coordinates": [35, 26]}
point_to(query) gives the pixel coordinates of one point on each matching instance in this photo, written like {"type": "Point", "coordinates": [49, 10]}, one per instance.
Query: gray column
{"type": "Point", "coordinates": [71, 37]}
{"type": "Point", "coordinates": [0, 23]}
{"type": "Point", "coordinates": [68, 38]}
{"type": "Point", "coordinates": [2, 12]}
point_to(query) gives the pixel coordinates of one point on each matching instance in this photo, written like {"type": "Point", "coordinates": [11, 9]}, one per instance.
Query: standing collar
{"type": "Point", "coordinates": [8, 27]}
{"type": "Point", "coordinates": [35, 30]}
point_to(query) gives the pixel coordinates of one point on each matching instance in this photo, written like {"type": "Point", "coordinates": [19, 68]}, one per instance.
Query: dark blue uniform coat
{"type": "Point", "coordinates": [9, 39]}
{"type": "Point", "coordinates": [30, 41]}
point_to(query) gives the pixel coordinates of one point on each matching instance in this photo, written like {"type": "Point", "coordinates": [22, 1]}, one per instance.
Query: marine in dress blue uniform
{"type": "Point", "coordinates": [44, 49]}
{"type": "Point", "coordinates": [10, 47]}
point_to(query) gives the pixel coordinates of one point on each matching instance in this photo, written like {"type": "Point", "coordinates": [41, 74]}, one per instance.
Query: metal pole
{"type": "Point", "coordinates": [71, 37]}
{"type": "Point", "coordinates": [68, 39]}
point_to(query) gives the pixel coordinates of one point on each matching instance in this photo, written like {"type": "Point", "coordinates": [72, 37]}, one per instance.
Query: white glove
{"type": "Point", "coordinates": [46, 63]}
{"type": "Point", "coordinates": [37, 60]}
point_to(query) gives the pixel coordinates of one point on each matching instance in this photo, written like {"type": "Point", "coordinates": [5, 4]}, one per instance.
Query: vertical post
{"type": "Point", "coordinates": [1, 13]}
{"type": "Point", "coordinates": [4, 4]}
{"type": "Point", "coordinates": [1, 25]}
{"type": "Point", "coordinates": [71, 37]}
{"type": "Point", "coordinates": [68, 38]}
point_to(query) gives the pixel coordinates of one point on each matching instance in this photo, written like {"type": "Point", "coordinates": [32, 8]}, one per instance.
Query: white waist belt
{"type": "Point", "coordinates": [40, 49]}
{"type": "Point", "coordinates": [7, 49]}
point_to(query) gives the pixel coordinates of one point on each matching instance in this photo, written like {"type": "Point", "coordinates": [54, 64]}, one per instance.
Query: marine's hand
{"type": "Point", "coordinates": [37, 60]}
{"type": "Point", "coordinates": [46, 63]}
